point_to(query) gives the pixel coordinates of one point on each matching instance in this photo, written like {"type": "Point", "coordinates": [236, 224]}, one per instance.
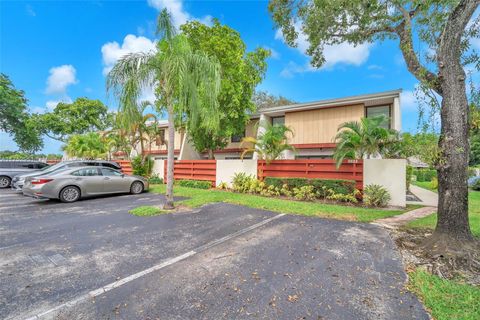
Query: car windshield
{"type": "Point", "coordinates": [53, 168]}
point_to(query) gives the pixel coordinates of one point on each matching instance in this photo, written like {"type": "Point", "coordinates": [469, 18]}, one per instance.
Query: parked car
{"type": "Point", "coordinates": [71, 184]}
{"type": "Point", "coordinates": [11, 168]}
{"type": "Point", "coordinates": [19, 180]}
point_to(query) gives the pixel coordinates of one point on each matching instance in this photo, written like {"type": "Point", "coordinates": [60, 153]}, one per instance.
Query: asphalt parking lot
{"type": "Point", "coordinates": [93, 260]}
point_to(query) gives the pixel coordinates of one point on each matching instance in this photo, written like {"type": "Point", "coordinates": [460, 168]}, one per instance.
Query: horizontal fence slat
{"type": "Point", "coordinates": [202, 170]}
{"type": "Point", "coordinates": [313, 168]}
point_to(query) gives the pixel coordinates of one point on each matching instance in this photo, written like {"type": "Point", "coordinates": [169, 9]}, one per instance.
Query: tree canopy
{"type": "Point", "coordinates": [264, 99]}
{"type": "Point", "coordinates": [14, 117]}
{"type": "Point", "coordinates": [89, 146]}
{"type": "Point", "coordinates": [79, 117]}
{"type": "Point", "coordinates": [444, 30]}
{"type": "Point", "coordinates": [241, 71]}
{"type": "Point", "coordinates": [186, 82]}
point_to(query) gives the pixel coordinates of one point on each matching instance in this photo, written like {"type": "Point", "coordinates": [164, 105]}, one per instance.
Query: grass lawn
{"type": "Point", "coordinates": [199, 197]}
{"type": "Point", "coordinates": [425, 185]}
{"type": "Point", "coordinates": [446, 299]}
{"type": "Point", "coordinates": [474, 214]}
{"type": "Point", "coordinates": [146, 211]}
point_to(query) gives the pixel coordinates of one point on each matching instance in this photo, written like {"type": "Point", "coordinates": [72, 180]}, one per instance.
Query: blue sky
{"type": "Point", "coordinates": [60, 50]}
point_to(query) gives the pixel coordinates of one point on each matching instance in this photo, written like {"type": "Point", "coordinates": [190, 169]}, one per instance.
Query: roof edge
{"type": "Point", "coordinates": [332, 102]}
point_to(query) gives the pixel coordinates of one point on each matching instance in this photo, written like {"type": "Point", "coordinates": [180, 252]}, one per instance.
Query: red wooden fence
{"type": "Point", "coordinates": [205, 170]}
{"type": "Point", "coordinates": [53, 161]}
{"type": "Point", "coordinates": [313, 168]}
{"type": "Point", "coordinates": [126, 166]}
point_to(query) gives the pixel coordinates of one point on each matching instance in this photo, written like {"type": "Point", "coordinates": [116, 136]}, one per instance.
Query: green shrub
{"type": "Point", "coordinates": [198, 184]}
{"type": "Point", "coordinates": [242, 182]}
{"type": "Point", "coordinates": [222, 186]}
{"type": "Point", "coordinates": [142, 170]}
{"type": "Point", "coordinates": [290, 182]}
{"type": "Point", "coordinates": [270, 191]}
{"type": "Point", "coordinates": [351, 197]}
{"type": "Point", "coordinates": [319, 185]}
{"type": "Point", "coordinates": [155, 179]}
{"type": "Point", "coordinates": [409, 176]}
{"type": "Point", "coordinates": [305, 193]}
{"type": "Point", "coordinates": [376, 195]}
{"type": "Point", "coordinates": [434, 183]}
{"type": "Point", "coordinates": [425, 174]}
{"type": "Point", "coordinates": [285, 190]}
{"type": "Point", "coordinates": [472, 172]}
{"type": "Point", "coordinates": [476, 185]}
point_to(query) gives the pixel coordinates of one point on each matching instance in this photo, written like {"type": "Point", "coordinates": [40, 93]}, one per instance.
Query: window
{"type": "Point", "coordinates": [160, 138]}
{"type": "Point", "coordinates": [110, 172]}
{"type": "Point", "coordinates": [40, 165]}
{"type": "Point", "coordinates": [114, 166]}
{"type": "Point", "coordinates": [87, 172]}
{"type": "Point", "coordinates": [278, 120]}
{"type": "Point", "coordinates": [372, 112]}
{"type": "Point", "coordinates": [238, 137]}
{"type": "Point", "coordinates": [5, 164]}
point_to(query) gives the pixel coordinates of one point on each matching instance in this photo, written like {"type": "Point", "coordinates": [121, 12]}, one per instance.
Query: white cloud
{"type": "Point", "coordinates": [51, 104]}
{"type": "Point", "coordinates": [30, 11]}
{"type": "Point", "coordinates": [408, 100]}
{"type": "Point", "coordinates": [148, 94]}
{"type": "Point", "coordinates": [60, 78]}
{"type": "Point", "coordinates": [375, 67]}
{"type": "Point", "coordinates": [274, 53]}
{"type": "Point", "coordinates": [177, 11]}
{"type": "Point", "coordinates": [292, 68]}
{"type": "Point", "coordinates": [112, 51]}
{"type": "Point", "coordinates": [336, 54]}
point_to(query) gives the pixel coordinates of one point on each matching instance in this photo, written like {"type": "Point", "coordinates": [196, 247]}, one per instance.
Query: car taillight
{"type": "Point", "coordinates": [41, 181]}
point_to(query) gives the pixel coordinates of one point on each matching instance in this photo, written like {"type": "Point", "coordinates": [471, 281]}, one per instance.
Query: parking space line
{"type": "Point", "coordinates": [18, 206]}
{"type": "Point", "coordinates": [121, 282]}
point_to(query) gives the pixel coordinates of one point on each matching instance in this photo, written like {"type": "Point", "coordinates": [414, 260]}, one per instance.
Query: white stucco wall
{"type": "Point", "coordinates": [158, 168]}
{"type": "Point", "coordinates": [396, 116]}
{"type": "Point", "coordinates": [226, 169]}
{"type": "Point", "coordinates": [188, 151]}
{"type": "Point", "coordinates": [391, 174]}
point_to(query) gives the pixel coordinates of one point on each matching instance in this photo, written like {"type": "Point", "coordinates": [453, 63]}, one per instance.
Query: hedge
{"type": "Point", "coordinates": [195, 184]}
{"type": "Point", "coordinates": [425, 174]}
{"type": "Point", "coordinates": [338, 186]}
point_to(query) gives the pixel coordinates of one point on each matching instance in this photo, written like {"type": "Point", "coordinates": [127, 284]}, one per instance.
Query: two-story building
{"type": "Point", "coordinates": [314, 126]}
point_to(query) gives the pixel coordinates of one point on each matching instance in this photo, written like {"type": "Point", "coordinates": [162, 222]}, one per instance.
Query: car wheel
{"type": "Point", "coordinates": [136, 188]}
{"type": "Point", "coordinates": [5, 182]}
{"type": "Point", "coordinates": [69, 194]}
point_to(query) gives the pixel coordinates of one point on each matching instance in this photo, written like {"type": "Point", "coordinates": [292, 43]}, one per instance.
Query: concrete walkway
{"type": "Point", "coordinates": [395, 221]}
{"type": "Point", "coordinates": [429, 198]}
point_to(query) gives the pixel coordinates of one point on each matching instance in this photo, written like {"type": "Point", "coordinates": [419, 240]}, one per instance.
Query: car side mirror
{"type": "Point", "coordinates": [123, 175]}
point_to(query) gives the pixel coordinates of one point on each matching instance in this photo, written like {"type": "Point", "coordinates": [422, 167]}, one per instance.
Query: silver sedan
{"type": "Point", "coordinates": [71, 184]}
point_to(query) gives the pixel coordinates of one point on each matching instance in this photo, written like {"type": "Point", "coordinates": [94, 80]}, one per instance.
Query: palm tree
{"type": "Point", "coordinates": [88, 146]}
{"type": "Point", "coordinates": [270, 143]}
{"type": "Point", "coordinates": [364, 139]}
{"type": "Point", "coordinates": [131, 117]}
{"type": "Point", "coordinates": [186, 83]}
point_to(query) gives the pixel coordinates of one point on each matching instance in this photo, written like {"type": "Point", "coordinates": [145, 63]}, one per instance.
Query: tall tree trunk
{"type": "Point", "coordinates": [170, 158]}
{"type": "Point", "coordinates": [211, 156]}
{"type": "Point", "coordinates": [452, 224]}
{"type": "Point", "coordinates": [142, 147]}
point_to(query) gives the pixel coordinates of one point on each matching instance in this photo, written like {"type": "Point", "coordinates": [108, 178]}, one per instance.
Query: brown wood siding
{"type": "Point", "coordinates": [321, 125]}
{"type": "Point", "coordinates": [250, 131]}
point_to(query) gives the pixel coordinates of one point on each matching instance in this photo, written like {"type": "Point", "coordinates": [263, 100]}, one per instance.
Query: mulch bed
{"type": "Point", "coordinates": [464, 266]}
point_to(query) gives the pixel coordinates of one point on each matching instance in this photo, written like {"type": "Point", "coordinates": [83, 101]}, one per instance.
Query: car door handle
{"type": "Point", "coordinates": [106, 178]}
